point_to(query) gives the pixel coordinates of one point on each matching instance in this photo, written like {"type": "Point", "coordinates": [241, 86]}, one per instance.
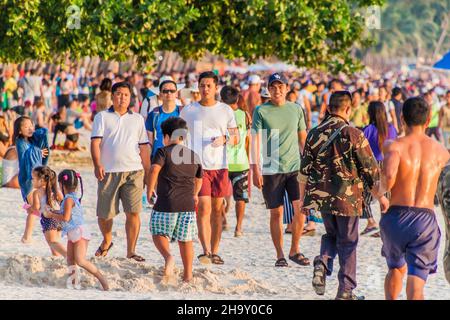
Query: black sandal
{"type": "Point", "coordinates": [215, 259]}
{"type": "Point", "coordinates": [281, 263]}
{"type": "Point", "coordinates": [300, 259]}
{"type": "Point", "coordinates": [103, 252]}
{"type": "Point", "coordinates": [137, 258]}
{"type": "Point", "coordinates": [204, 258]}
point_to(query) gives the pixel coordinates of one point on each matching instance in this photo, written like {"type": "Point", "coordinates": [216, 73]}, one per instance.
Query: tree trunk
{"type": "Point", "coordinates": [444, 27]}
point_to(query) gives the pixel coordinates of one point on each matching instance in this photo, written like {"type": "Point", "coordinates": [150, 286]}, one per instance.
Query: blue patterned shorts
{"type": "Point", "coordinates": [181, 226]}
{"type": "Point", "coordinates": [50, 224]}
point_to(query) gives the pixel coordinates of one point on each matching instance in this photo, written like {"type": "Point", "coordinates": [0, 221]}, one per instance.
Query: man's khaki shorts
{"type": "Point", "coordinates": [124, 186]}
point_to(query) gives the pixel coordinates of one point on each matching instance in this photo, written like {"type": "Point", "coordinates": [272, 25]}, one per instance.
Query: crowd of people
{"type": "Point", "coordinates": [321, 149]}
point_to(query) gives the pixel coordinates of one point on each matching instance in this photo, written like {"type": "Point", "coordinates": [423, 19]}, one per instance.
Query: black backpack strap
{"type": "Point", "coordinates": [331, 139]}
{"type": "Point", "coordinates": [142, 104]}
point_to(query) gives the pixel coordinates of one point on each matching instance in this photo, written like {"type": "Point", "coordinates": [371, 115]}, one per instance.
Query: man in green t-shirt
{"type": "Point", "coordinates": [433, 128]}
{"type": "Point", "coordinates": [237, 156]}
{"type": "Point", "coordinates": [279, 127]}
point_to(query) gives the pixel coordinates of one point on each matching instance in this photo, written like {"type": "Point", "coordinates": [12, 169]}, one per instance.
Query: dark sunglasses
{"type": "Point", "coordinates": [168, 91]}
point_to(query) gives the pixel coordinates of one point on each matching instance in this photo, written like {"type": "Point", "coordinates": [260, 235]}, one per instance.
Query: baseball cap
{"type": "Point", "coordinates": [254, 79]}
{"type": "Point", "coordinates": [277, 77]}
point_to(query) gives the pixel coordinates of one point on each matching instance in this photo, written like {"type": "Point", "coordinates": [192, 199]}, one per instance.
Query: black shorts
{"type": "Point", "coordinates": [239, 181]}
{"type": "Point", "coordinates": [72, 137]}
{"type": "Point", "coordinates": [274, 186]}
{"type": "Point", "coordinates": [63, 101]}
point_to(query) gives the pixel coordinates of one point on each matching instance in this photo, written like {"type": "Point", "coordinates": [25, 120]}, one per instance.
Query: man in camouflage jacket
{"type": "Point", "coordinates": [443, 192]}
{"type": "Point", "coordinates": [337, 161]}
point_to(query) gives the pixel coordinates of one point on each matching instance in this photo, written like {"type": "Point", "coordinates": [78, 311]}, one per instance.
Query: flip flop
{"type": "Point", "coordinates": [281, 263]}
{"type": "Point", "coordinates": [369, 231]}
{"type": "Point", "coordinates": [300, 259]}
{"type": "Point", "coordinates": [137, 258]}
{"type": "Point", "coordinates": [309, 232]}
{"type": "Point", "coordinates": [103, 252]}
{"type": "Point", "coordinates": [204, 258]}
{"type": "Point", "coordinates": [287, 231]}
{"type": "Point", "coordinates": [216, 259]}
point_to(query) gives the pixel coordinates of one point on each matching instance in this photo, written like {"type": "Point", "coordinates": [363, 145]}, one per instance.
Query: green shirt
{"type": "Point", "coordinates": [434, 122]}
{"type": "Point", "coordinates": [279, 140]}
{"type": "Point", "coordinates": [359, 116]}
{"type": "Point", "coordinates": [237, 156]}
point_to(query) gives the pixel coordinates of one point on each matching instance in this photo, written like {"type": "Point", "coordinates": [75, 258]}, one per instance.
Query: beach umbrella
{"type": "Point", "coordinates": [444, 63]}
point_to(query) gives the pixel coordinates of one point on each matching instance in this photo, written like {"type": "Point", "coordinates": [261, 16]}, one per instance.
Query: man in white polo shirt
{"type": "Point", "coordinates": [209, 122]}
{"type": "Point", "coordinates": [121, 155]}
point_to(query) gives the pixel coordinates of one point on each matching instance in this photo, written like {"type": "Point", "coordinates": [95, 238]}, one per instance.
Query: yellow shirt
{"type": "Point", "coordinates": [10, 86]}
{"type": "Point", "coordinates": [359, 116]}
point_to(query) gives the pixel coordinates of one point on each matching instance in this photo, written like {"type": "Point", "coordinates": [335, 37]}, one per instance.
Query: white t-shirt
{"type": "Point", "coordinates": [306, 93]}
{"type": "Point", "coordinates": [389, 106]}
{"type": "Point", "coordinates": [121, 137]}
{"type": "Point", "coordinates": [205, 124]}
{"type": "Point", "coordinates": [36, 84]}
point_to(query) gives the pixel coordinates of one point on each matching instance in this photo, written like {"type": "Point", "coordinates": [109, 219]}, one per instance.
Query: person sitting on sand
{"type": "Point", "coordinates": [10, 169]}
{"type": "Point", "coordinates": [69, 130]}
{"type": "Point", "coordinates": [173, 215]}
{"type": "Point", "coordinates": [78, 114]}
{"type": "Point", "coordinates": [4, 136]}
{"type": "Point", "coordinates": [71, 214]}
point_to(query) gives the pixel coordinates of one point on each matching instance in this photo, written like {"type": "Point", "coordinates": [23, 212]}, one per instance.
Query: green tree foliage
{"type": "Point", "coordinates": [413, 28]}
{"type": "Point", "coordinates": [310, 33]}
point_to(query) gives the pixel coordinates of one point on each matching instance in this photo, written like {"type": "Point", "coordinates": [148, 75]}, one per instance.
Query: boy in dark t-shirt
{"type": "Point", "coordinates": [178, 171]}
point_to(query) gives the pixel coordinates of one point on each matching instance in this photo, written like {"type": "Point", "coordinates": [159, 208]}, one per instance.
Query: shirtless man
{"type": "Point", "coordinates": [409, 229]}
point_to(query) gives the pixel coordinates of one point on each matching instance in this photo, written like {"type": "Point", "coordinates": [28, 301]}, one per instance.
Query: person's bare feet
{"type": "Point", "coordinates": [103, 281]}
{"type": "Point", "coordinates": [225, 226]}
{"type": "Point", "coordinates": [238, 233]}
{"type": "Point", "coordinates": [187, 279]}
{"type": "Point", "coordinates": [26, 241]}
{"type": "Point", "coordinates": [169, 266]}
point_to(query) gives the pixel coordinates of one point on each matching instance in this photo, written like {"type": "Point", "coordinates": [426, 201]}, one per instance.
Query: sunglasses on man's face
{"type": "Point", "coordinates": [166, 91]}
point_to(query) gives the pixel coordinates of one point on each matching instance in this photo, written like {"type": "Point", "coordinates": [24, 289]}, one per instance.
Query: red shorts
{"type": "Point", "coordinates": [215, 184]}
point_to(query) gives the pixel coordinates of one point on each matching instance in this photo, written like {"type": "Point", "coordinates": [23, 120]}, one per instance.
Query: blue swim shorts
{"type": "Point", "coordinates": [410, 235]}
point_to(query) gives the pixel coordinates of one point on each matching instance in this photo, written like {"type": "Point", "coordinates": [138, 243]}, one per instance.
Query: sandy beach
{"type": "Point", "coordinates": [29, 272]}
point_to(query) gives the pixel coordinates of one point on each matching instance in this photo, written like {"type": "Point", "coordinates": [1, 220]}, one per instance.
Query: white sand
{"type": "Point", "coordinates": [29, 272]}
